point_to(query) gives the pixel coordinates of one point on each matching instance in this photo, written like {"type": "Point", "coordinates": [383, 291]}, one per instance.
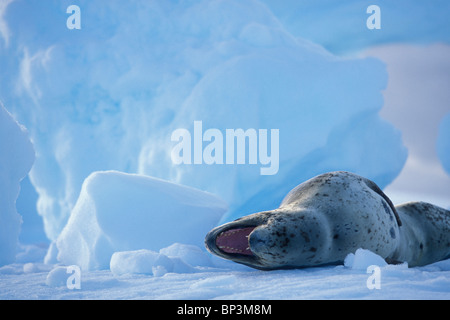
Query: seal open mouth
{"type": "Point", "coordinates": [232, 241]}
{"type": "Point", "coordinates": [235, 241]}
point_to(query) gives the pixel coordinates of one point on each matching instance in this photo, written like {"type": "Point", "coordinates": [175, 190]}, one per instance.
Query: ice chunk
{"type": "Point", "coordinates": [153, 263]}
{"type": "Point", "coordinates": [57, 277]}
{"type": "Point", "coordinates": [16, 159]}
{"type": "Point", "coordinates": [140, 261]}
{"type": "Point", "coordinates": [362, 259]}
{"type": "Point", "coordinates": [124, 212]}
{"type": "Point", "coordinates": [189, 254]}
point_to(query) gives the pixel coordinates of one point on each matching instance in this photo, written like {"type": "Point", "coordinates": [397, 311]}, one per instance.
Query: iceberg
{"type": "Point", "coordinates": [341, 26]}
{"type": "Point", "coordinates": [16, 158]}
{"type": "Point", "coordinates": [110, 95]}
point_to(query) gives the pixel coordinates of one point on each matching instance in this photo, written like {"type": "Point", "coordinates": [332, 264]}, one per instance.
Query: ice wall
{"type": "Point", "coordinates": [16, 159]}
{"type": "Point", "coordinates": [340, 26]}
{"type": "Point", "coordinates": [109, 96]}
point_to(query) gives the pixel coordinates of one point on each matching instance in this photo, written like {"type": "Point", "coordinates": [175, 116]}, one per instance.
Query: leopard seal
{"type": "Point", "coordinates": [327, 217]}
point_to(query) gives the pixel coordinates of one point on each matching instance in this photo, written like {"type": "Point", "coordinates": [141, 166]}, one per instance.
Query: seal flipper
{"type": "Point", "coordinates": [373, 186]}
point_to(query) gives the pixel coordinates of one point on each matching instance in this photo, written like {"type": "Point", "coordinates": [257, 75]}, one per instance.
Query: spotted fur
{"type": "Point", "coordinates": [323, 219]}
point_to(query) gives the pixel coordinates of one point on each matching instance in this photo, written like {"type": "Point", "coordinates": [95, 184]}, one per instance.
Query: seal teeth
{"type": "Point", "coordinates": [235, 241]}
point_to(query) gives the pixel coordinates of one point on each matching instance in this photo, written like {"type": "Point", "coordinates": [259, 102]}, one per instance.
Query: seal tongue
{"type": "Point", "coordinates": [235, 241]}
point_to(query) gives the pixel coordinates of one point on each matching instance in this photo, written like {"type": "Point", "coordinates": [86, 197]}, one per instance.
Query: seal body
{"type": "Point", "coordinates": [425, 237]}
{"type": "Point", "coordinates": [325, 218]}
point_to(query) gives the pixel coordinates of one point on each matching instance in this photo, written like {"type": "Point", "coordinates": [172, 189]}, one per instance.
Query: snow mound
{"type": "Point", "coordinates": [443, 143]}
{"type": "Point", "coordinates": [16, 159]}
{"type": "Point", "coordinates": [189, 254]}
{"type": "Point", "coordinates": [177, 258]}
{"type": "Point", "coordinates": [68, 276]}
{"type": "Point", "coordinates": [362, 259]}
{"type": "Point", "coordinates": [57, 277]}
{"type": "Point", "coordinates": [124, 212]}
{"type": "Point", "coordinates": [140, 261]}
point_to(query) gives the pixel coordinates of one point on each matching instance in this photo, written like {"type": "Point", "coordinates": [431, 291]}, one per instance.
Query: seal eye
{"type": "Point", "coordinates": [235, 241]}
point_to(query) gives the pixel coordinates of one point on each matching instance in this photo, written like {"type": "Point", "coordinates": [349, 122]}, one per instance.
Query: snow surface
{"type": "Point", "coordinates": [224, 280]}
{"type": "Point", "coordinates": [108, 97]}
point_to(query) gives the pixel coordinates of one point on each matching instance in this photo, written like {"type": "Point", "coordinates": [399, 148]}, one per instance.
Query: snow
{"type": "Point", "coordinates": [123, 212]}
{"type": "Point", "coordinates": [57, 277]}
{"type": "Point", "coordinates": [362, 259]}
{"type": "Point", "coordinates": [145, 262]}
{"type": "Point", "coordinates": [100, 104]}
{"type": "Point", "coordinates": [228, 281]}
